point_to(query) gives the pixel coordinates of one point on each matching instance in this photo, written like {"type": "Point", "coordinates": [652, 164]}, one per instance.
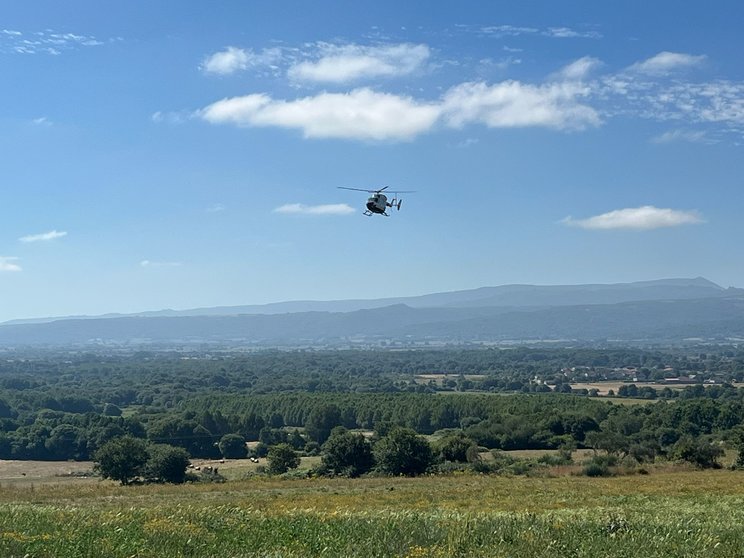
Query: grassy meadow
{"type": "Point", "coordinates": [667, 513]}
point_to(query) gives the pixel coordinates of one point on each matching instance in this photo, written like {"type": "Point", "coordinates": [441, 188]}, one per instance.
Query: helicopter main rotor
{"type": "Point", "coordinates": [377, 191]}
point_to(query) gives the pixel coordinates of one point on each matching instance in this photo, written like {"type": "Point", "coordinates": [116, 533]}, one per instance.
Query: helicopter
{"type": "Point", "coordinates": [378, 202]}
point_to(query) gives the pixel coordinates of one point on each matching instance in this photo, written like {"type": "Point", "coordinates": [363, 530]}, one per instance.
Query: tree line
{"type": "Point", "coordinates": [68, 407]}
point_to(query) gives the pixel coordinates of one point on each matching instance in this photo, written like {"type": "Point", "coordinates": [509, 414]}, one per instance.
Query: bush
{"type": "Point", "coordinates": [600, 466]}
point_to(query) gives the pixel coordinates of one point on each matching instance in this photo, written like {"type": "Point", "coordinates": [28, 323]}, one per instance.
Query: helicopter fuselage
{"type": "Point", "coordinates": [377, 204]}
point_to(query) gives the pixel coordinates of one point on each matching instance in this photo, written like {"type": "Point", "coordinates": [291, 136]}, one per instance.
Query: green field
{"type": "Point", "coordinates": [666, 513]}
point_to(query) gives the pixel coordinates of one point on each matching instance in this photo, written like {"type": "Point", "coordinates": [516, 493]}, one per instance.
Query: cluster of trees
{"type": "Point", "coordinates": [400, 451]}
{"type": "Point", "coordinates": [127, 458]}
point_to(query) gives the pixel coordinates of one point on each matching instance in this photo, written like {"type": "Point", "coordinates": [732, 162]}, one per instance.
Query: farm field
{"type": "Point", "coordinates": [679, 513]}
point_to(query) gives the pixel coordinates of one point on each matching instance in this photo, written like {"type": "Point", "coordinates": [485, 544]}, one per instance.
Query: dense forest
{"type": "Point", "coordinates": [58, 406]}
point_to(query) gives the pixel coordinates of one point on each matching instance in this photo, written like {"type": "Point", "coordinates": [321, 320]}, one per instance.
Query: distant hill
{"type": "Point", "coordinates": [679, 309]}
{"type": "Point", "coordinates": [513, 296]}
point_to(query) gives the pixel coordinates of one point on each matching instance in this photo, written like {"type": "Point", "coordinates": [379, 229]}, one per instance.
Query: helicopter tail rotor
{"type": "Point", "coordinates": [399, 202]}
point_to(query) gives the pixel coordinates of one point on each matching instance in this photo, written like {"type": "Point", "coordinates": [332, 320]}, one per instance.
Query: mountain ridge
{"type": "Point", "coordinates": [718, 316]}
{"type": "Point", "coordinates": [510, 295]}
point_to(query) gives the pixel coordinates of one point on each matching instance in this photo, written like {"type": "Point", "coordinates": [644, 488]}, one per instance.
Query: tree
{"type": "Point", "coordinates": [403, 452]}
{"type": "Point", "coordinates": [122, 459]}
{"type": "Point", "coordinates": [111, 410]}
{"type": "Point", "coordinates": [613, 443]}
{"type": "Point", "coordinates": [232, 446]}
{"type": "Point", "coordinates": [167, 463]}
{"type": "Point", "coordinates": [321, 421]}
{"type": "Point", "coordinates": [738, 443]}
{"type": "Point", "coordinates": [346, 453]}
{"type": "Point", "coordinates": [66, 442]}
{"type": "Point", "coordinates": [282, 458]}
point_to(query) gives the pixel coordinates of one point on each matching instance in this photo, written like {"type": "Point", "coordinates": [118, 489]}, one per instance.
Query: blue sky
{"type": "Point", "coordinates": [184, 154]}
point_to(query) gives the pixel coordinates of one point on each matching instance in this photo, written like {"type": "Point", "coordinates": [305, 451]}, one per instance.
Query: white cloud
{"type": "Point", "coordinates": [346, 63]}
{"type": "Point", "coordinates": [578, 69]}
{"type": "Point", "coordinates": [149, 263]}
{"type": "Point", "coordinates": [512, 104]}
{"type": "Point", "coordinates": [360, 114]}
{"type": "Point", "coordinates": [666, 62]}
{"type": "Point", "coordinates": [43, 237]}
{"type": "Point", "coordinates": [7, 263]}
{"type": "Point", "coordinates": [227, 61]}
{"type": "Point", "coordinates": [328, 209]}
{"type": "Point", "coordinates": [215, 208]}
{"type": "Point", "coordinates": [638, 218]}
{"type": "Point", "coordinates": [41, 121]}
{"type": "Point", "coordinates": [234, 59]}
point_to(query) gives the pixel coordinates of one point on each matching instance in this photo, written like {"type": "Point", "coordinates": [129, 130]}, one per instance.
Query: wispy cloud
{"type": "Point", "coordinates": [43, 237]}
{"type": "Point", "coordinates": [638, 218]}
{"type": "Point", "coordinates": [360, 114]}
{"type": "Point", "coordinates": [48, 41]}
{"type": "Point", "coordinates": [500, 31]}
{"type": "Point", "coordinates": [150, 263]}
{"type": "Point", "coordinates": [7, 263]}
{"type": "Point", "coordinates": [716, 103]}
{"type": "Point", "coordinates": [568, 33]}
{"type": "Point", "coordinates": [347, 63]}
{"type": "Point", "coordinates": [667, 62]}
{"type": "Point", "coordinates": [328, 209]}
{"type": "Point", "coordinates": [234, 59]}
{"type": "Point", "coordinates": [171, 117]}
{"type": "Point", "coordinates": [41, 121]}
{"type": "Point", "coordinates": [505, 30]}
{"type": "Point", "coordinates": [215, 208]}
{"type": "Point", "coordinates": [691, 136]}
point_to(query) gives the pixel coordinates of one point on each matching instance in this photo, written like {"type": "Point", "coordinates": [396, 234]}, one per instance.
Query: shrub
{"type": "Point", "coordinates": [600, 466]}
